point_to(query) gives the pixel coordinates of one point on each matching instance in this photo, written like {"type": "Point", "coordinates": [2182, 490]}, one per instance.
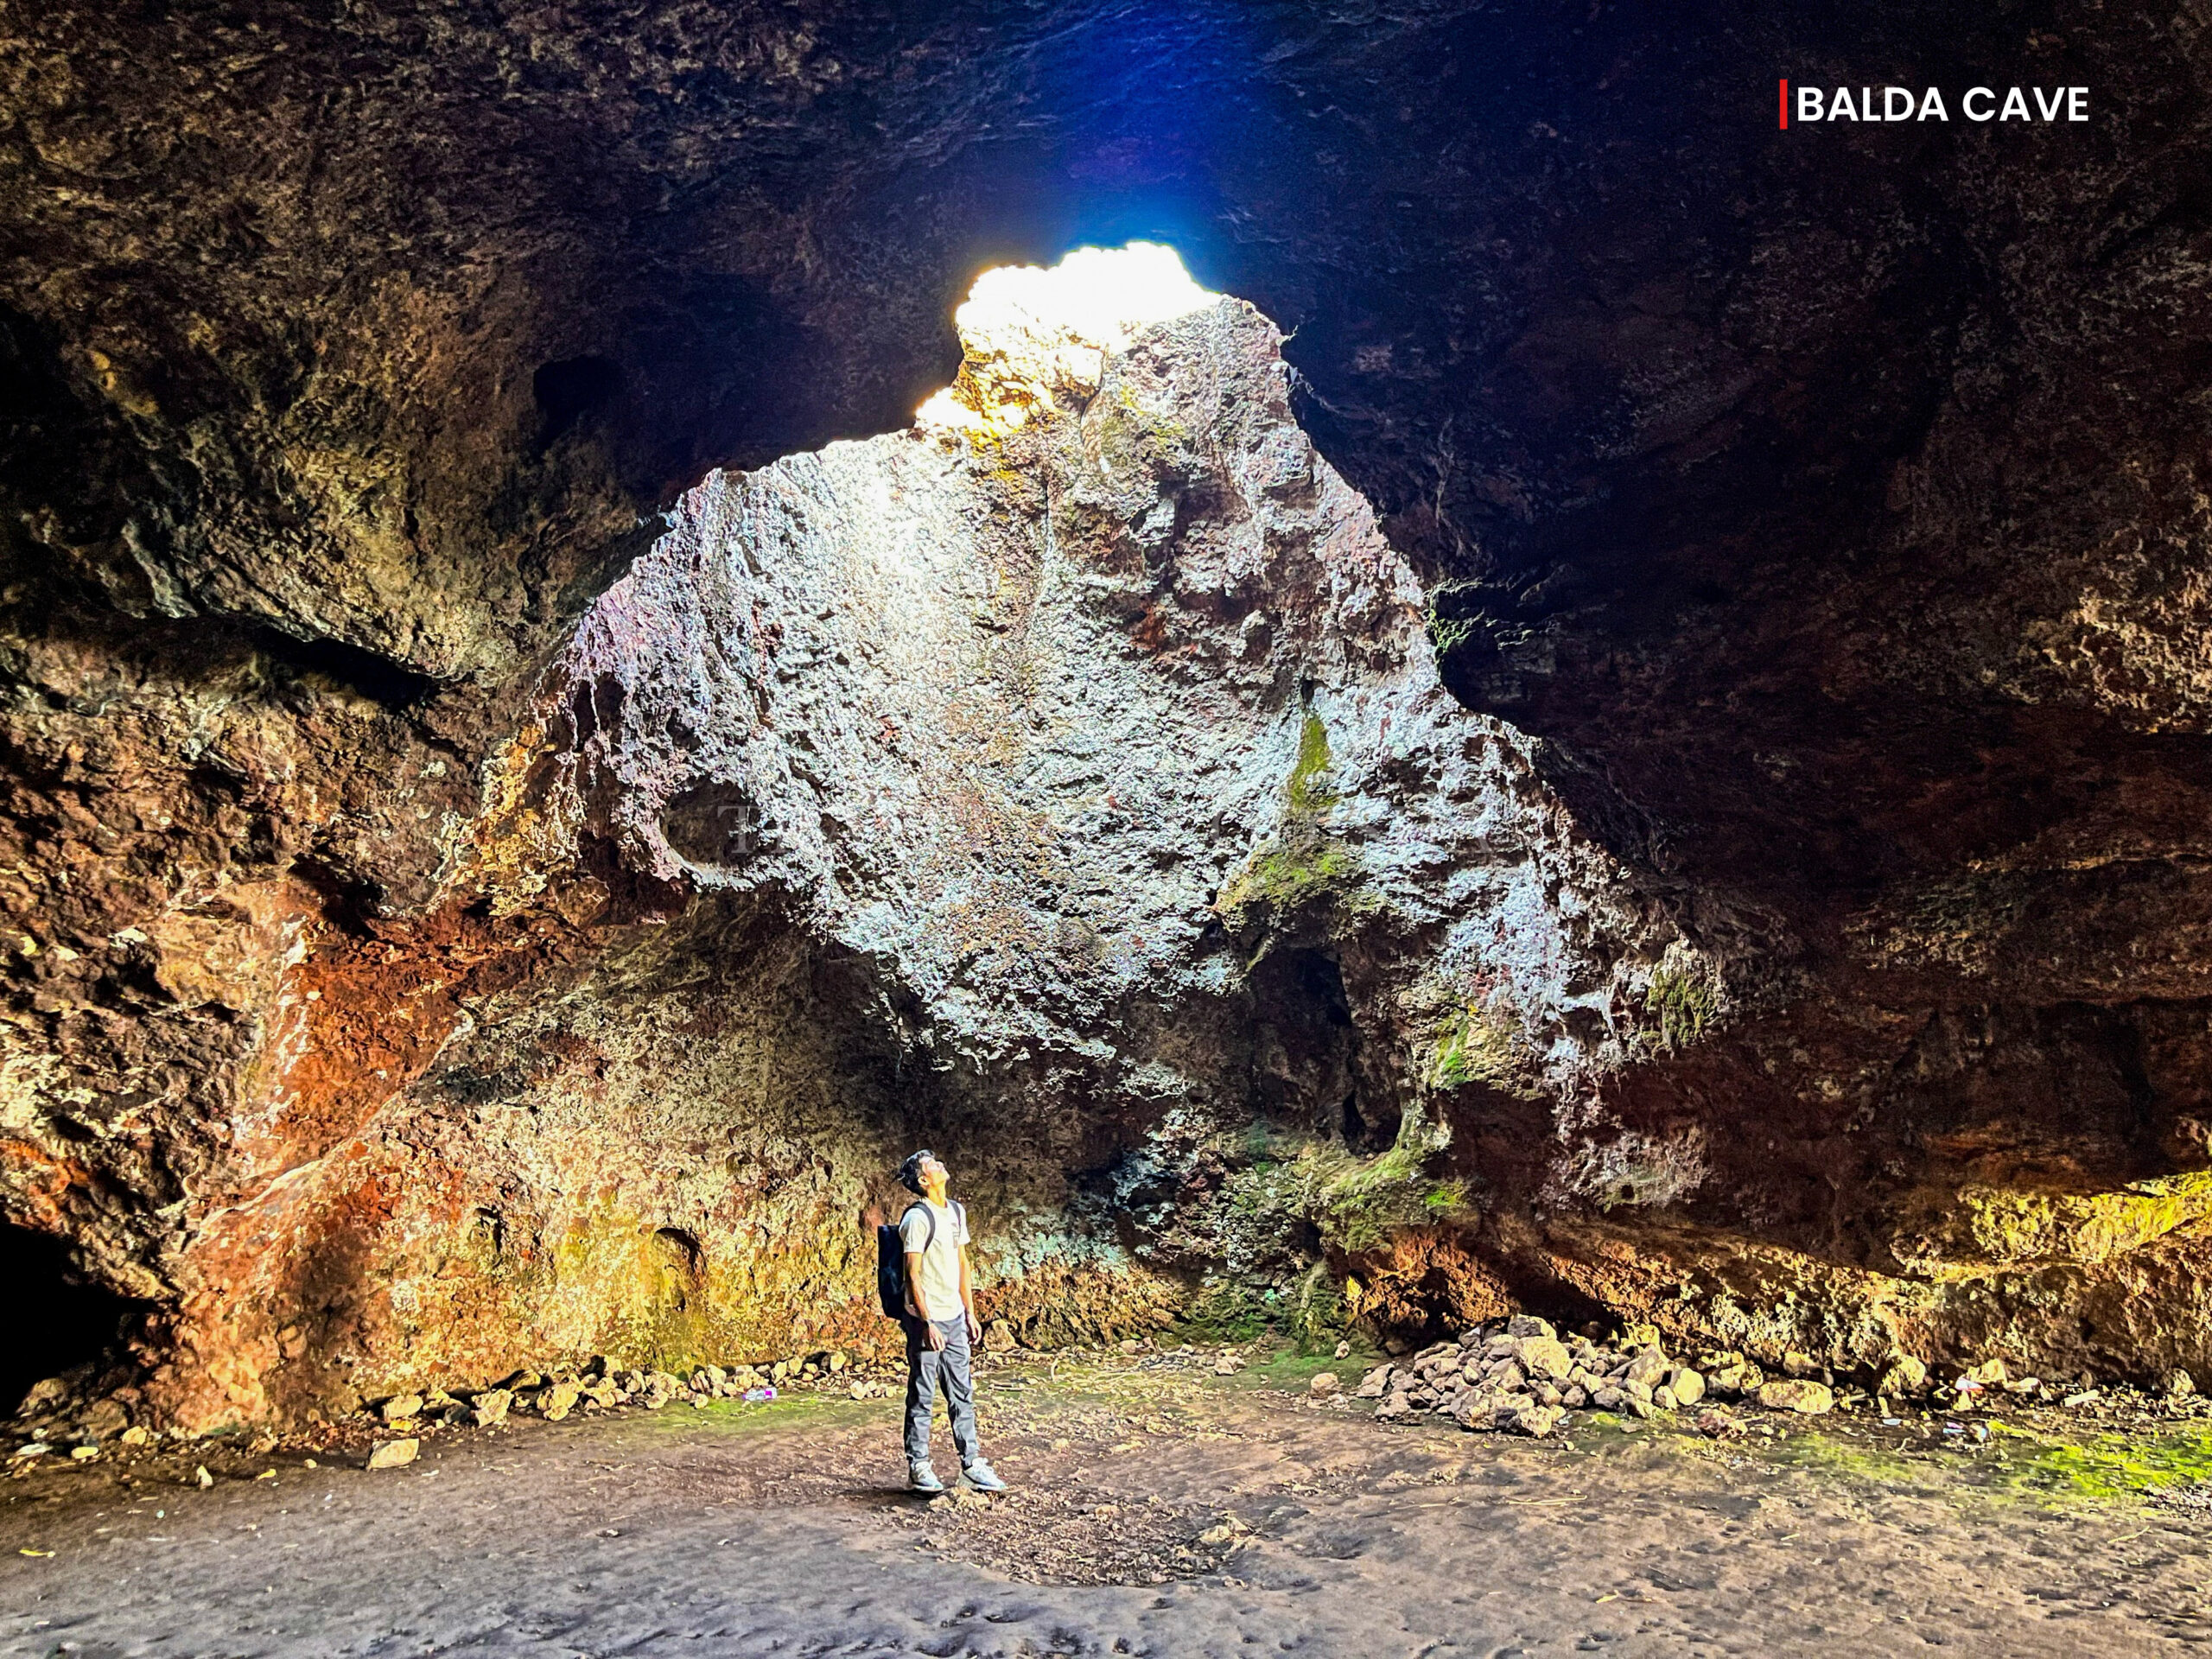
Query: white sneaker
{"type": "Point", "coordinates": [921, 1477]}
{"type": "Point", "coordinates": [982, 1477]}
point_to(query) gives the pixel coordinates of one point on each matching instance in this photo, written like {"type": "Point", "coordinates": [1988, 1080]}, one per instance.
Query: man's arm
{"type": "Point", "coordinates": [968, 1297]}
{"type": "Point", "coordinates": [931, 1334]}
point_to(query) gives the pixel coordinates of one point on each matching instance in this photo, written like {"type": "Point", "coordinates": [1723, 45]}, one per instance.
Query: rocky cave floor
{"type": "Point", "coordinates": [1158, 1508]}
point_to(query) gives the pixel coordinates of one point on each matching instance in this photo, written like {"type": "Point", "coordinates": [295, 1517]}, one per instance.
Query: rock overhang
{"type": "Point", "coordinates": [1070, 716]}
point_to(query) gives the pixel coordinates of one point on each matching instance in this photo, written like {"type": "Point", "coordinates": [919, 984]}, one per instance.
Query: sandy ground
{"type": "Point", "coordinates": [736, 1530]}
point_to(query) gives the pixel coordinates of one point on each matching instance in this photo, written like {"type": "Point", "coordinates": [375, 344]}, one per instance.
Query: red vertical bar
{"type": "Point", "coordinates": [1785, 106]}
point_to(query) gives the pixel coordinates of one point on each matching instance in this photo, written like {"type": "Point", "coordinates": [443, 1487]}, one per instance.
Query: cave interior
{"type": "Point", "coordinates": [1613, 720]}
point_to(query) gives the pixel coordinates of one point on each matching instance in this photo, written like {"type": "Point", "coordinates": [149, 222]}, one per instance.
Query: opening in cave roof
{"type": "Point", "coordinates": [1029, 333]}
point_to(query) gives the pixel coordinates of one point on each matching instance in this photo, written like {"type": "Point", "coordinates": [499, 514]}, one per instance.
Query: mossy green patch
{"type": "Point", "coordinates": [1318, 1315]}
{"type": "Point", "coordinates": [1302, 866]}
{"type": "Point", "coordinates": [2017, 1223]}
{"type": "Point", "coordinates": [1288, 1184]}
{"type": "Point", "coordinates": [652, 1296]}
{"type": "Point", "coordinates": [1134, 438]}
{"type": "Point", "coordinates": [1290, 1368]}
{"type": "Point", "coordinates": [1829, 1454]}
{"type": "Point", "coordinates": [1681, 1004]}
{"type": "Point", "coordinates": [1357, 1204]}
{"type": "Point", "coordinates": [1294, 872]}
{"type": "Point", "coordinates": [739, 1416]}
{"type": "Point", "coordinates": [1311, 1313]}
{"type": "Point", "coordinates": [1164, 428]}
{"type": "Point", "coordinates": [1309, 791]}
{"type": "Point", "coordinates": [2110, 1466]}
{"type": "Point", "coordinates": [2015, 1464]}
{"type": "Point", "coordinates": [1228, 1312]}
{"type": "Point", "coordinates": [1474, 1045]}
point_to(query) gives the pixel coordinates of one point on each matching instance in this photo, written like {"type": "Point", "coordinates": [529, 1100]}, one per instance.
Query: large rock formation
{"type": "Point", "coordinates": [1081, 795]}
{"type": "Point", "coordinates": [398, 889]}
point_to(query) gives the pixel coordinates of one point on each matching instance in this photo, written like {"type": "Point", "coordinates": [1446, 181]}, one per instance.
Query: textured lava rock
{"type": "Point", "coordinates": [1015, 765]}
{"type": "Point", "coordinates": [1068, 730]}
{"type": "Point", "coordinates": [1826, 518]}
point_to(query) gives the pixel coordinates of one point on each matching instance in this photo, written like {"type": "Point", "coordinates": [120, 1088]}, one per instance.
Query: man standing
{"type": "Point", "coordinates": [941, 1324]}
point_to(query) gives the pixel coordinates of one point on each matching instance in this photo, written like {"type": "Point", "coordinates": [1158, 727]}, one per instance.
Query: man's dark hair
{"type": "Point", "coordinates": [910, 1172]}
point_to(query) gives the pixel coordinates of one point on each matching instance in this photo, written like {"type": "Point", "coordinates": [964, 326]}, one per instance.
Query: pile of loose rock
{"type": "Point", "coordinates": [1518, 1375]}
{"type": "Point", "coordinates": [601, 1385]}
{"type": "Point", "coordinates": [605, 1384]}
{"type": "Point", "coordinates": [392, 1428]}
{"type": "Point", "coordinates": [1522, 1377]}
{"type": "Point", "coordinates": [84, 1417]}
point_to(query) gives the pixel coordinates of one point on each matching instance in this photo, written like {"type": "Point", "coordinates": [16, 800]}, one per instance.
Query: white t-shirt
{"type": "Point", "coordinates": [937, 1284]}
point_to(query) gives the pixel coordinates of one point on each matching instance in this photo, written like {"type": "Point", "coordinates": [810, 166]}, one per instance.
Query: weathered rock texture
{"type": "Point", "coordinates": [1825, 511]}
{"type": "Point", "coordinates": [1076, 794]}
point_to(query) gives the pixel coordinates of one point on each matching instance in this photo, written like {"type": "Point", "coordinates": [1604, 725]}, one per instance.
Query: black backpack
{"type": "Point", "coordinates": [891, 1258]}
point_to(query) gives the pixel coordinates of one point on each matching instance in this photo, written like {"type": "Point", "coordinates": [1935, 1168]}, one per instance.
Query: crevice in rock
{"type": "Point", "coordinates": [1305, 1051]}
{"type": "Point", "coordinates": [388, 683]}
{"type": "Point", "coordinates": [63, 1325]}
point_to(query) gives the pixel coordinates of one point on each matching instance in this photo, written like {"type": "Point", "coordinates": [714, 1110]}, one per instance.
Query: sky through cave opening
{"type": "Point", "coordinates": [1029, 331]}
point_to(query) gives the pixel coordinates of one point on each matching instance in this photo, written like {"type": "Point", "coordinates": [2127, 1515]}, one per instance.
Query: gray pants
{"type": "Point", "coordinates": [927, 1368]}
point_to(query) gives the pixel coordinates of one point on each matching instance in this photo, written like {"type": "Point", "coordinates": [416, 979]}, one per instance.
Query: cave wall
{"type": "Point", "coordinates": [1007, 789]}
{"type": "Point", "coordinates": [1819, 515]}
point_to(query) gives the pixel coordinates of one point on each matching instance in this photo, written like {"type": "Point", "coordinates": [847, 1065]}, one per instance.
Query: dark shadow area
{"type": "Point", "coordinates": [59, 1322]}
{"type": "Point", "coordinates": [364, 673]}
{"type": "Point", "coordinates": [571, 389]}
{"type": "Point", "coordinates": [1305, 1048]}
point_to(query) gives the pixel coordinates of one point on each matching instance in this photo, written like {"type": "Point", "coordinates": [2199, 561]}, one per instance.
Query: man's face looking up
{"type": "Point", "coordinates": [934, 1176]}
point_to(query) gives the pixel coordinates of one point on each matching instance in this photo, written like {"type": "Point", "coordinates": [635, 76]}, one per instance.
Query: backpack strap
{"type": "Point", "coordinates": [929, 1216]}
